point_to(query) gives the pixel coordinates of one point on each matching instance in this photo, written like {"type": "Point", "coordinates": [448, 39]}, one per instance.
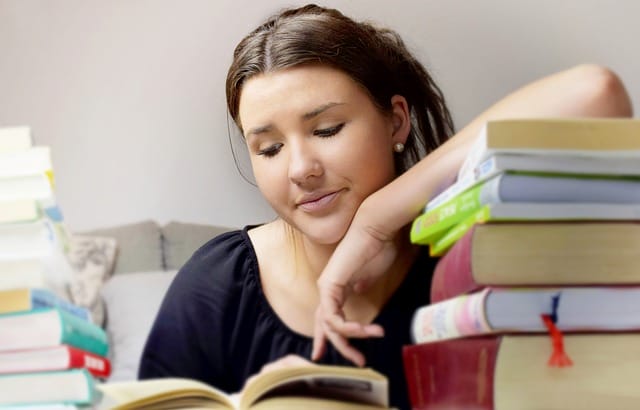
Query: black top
{"type": "Point", "coordinates": [215, 324]}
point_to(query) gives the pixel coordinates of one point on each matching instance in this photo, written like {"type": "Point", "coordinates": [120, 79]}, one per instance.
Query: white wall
{"type": "Point", "coordinates": [130, 93]}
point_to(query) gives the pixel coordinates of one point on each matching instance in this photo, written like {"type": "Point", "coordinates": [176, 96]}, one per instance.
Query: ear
{"type": "Point", "coordinates": [400, 119]}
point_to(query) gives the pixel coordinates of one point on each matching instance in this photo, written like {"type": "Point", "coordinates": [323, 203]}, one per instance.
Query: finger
{"type": "Point", "coordinates": [342, 345]}
{"type": "Point", "coordinates": [337, 324]}
{"type": "Point", "coordinates": [319, 340]}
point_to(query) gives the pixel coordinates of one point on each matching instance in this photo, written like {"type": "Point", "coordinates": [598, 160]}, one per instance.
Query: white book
{"type": "Point", "coordinates": [561, 211]}
{"type": "Point", "coordinates": [34, 239]}
{"type": "Point", "coordinates": [60, 406]}
{"type": "Point", "coordinates": [52, 271]}
{"type": "Point", "coordinates": [15, 138]}
{"type": "Point", "coordinates": [30, 161]}
{"type": "Point", "coordinates": [19, 210]}
{"type": "Point", "coordinates": [23, 187]}
{"type": "Point", "coordinates": [552, 164]}
{"type": "Point", "coordinates": [513, 310]}
{"type": "Point", "coordinates": [507, 187]}
{"type": "Point", "coordinates": [75, 386]}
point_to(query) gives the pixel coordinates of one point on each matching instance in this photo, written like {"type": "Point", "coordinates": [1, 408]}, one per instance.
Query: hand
{"type": "Point", "coordinates": [363, 255]}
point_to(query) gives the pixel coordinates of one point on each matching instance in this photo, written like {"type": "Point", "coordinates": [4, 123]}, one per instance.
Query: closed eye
{"type": "Point", "coordinates": [328, 132]}
{"type": "Point", "coordinates": [271, 150]}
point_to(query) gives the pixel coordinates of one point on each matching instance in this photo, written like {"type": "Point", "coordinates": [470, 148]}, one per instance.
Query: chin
{"type": "Point", "coordinates": [323, 232]}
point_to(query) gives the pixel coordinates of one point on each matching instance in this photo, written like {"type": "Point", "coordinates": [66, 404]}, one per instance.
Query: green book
{"type": "Point", "coordinates": [517, 188]}
{"type": "Point", "coordinates": [522, 211]}
{"type": "Point", "coordinates": [50, 327]}
{"type": "Point", "coordinates": [74, 386]}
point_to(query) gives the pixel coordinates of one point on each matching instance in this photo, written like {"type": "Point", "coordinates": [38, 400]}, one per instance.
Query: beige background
{"type": "Point", "coordinates": [129, 93]}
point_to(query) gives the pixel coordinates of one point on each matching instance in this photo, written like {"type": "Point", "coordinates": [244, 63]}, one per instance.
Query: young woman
{"type": "Point", "coordinates": [336, 115]}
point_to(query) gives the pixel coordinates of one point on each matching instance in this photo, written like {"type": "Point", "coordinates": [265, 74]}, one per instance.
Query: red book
{"type": "Point", "coordinates": [60, 357]}
{"type": "Point", "coordinates": [539, 254]}
{"type": "Point", "coordinates": [510, 372]}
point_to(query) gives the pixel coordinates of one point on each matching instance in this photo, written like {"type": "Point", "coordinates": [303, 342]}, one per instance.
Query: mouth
{"type": "Point", "coordinates": [317, 203]}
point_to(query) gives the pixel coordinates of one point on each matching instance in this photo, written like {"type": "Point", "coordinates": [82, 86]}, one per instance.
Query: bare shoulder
{"type": "Point", "coordinates": [267, 238]}
{"type": "Point", "coordinates": [271, 247]}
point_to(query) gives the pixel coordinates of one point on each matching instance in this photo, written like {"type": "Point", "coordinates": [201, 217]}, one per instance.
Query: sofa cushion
{"type": "Point", "coordinates": [181, 240]}
{"type": "Point", "coordinates": [132, 301]}
{"type": "Point", "coordinates": [139, 246]}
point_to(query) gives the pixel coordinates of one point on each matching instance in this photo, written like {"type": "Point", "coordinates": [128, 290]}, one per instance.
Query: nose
{"type": "Point", "coordinates": [304, 163]}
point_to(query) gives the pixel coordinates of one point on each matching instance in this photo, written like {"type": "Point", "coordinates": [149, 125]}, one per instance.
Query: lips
{"type": "Point", "coordinates": [317, 202]}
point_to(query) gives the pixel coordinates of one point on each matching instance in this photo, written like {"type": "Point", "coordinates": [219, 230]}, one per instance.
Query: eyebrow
{"type": "Point", "coordinates": [319, 110]}
{"type": "Point", "coordinates": [306, 117]}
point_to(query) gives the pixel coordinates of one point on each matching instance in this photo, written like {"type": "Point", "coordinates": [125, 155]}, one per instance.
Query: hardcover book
{"type": "Point", "coordinates": [25, 299]}
{"type": "Point", "coordinates": [15, 139]}
{"type": "Point", "coordinates": [510, 372]}
{"type": "Point", "coordinates": [537, 164]}
{"type": "Point", "coordinates": [50, 327]}
{"type": "Point", "coordinates": [60, 357]}
{"type": "Point", "coordinates": [590, 137]}
{"type": "Point", "coordinates": [538, 254]}
{"type": "Point", "coordinates": [518, 310]}
{"type": "Point", "coordinates": [74, 386]}
{"type": "Point", "coordinates": [535, 212]}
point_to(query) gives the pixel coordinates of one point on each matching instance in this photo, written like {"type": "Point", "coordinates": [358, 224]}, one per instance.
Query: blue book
{"type": "Point", "coordinates": [25, 299]}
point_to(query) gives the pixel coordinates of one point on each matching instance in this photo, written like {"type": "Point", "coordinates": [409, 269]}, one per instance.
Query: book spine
{"type": "Point", "coordinates": [450, 238]}
{"type": "Point", "coordinates": [96, 365]}
{"type": "Point", "coordinates": [461, 316]}
{"type": "Point", "coordinates": [456, 374]}
{"type": "Point", "coordinates": [430, 226]}
{"type": "Point", "coordinates": [453, 274]}
{"type": "Point", "coordinates": [82, 334]}
{"type": "Point", "coordinates": [41, 298]}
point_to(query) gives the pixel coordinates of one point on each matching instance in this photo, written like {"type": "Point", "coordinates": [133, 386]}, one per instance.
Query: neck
{"type": "Point", "coordinates": [311, 259]}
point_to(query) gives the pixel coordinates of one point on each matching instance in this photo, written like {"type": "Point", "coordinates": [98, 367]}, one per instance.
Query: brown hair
{"type": "Point", "coordinates": [376, 58]}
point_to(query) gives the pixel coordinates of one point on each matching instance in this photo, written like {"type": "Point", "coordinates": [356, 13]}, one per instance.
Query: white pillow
{"type": "Point", "coordinates": [132, 301]}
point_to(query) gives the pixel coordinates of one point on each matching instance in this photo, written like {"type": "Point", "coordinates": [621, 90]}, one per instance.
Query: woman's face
{"type": "Point", "coordinates": [318, 146]}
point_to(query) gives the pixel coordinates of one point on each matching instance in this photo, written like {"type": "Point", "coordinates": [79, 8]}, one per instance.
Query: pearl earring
{"type": "Point", "coordinates": [398, 147]}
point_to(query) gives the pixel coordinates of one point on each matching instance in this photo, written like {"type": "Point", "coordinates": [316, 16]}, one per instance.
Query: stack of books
{"type": "Point", "coordinates": [536, 296]}
{"type": "Point", "coordinates": [50, 350]}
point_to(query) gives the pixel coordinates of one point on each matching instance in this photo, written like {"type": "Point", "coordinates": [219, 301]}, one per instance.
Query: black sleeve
{"type": "Point", "coordinates": [190, 335]}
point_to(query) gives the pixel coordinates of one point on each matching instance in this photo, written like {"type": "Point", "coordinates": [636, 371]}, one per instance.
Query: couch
{"type": "Point", "coordinates": [147, 258]}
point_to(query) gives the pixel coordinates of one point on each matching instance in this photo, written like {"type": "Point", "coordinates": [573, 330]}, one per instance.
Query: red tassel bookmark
{"type": "Point", "coordinates": [559, 357]}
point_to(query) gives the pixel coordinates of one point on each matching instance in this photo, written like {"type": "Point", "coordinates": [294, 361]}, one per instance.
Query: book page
{"type": "Point", "coordinates": [138, 394]}
{"type": "Point", "coordinates": [330, 382]}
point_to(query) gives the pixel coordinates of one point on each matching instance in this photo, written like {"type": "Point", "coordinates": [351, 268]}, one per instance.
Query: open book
{"type": "Point", "coordinates": [308, 387]}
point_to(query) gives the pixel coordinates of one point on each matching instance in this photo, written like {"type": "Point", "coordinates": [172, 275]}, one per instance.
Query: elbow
{"type": "Point", "coordinates": [603, 93]}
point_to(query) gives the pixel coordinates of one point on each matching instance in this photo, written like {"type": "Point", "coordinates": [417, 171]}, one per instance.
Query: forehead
{"type": "Point", "coordinates": [296, 90]}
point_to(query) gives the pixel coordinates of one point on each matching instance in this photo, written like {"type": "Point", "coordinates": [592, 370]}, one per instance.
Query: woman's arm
{"type": "Point", "coordinates": [582, 91]}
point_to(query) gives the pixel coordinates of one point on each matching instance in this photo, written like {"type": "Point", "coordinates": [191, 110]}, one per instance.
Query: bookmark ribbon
{"type": "Point", "coordinates": [559, 357]}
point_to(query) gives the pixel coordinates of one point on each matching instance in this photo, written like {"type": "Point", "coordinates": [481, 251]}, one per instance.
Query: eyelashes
{"type": "Point", "coordinates": [328, 132]}
{"type": "Point", "coordinates": [273, 150]}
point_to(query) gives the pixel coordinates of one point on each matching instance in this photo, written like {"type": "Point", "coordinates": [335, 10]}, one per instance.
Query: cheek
{"type": "Point", "coordinates": [270, 179]}
{"type": "Point", "coordinates": [374, 165]}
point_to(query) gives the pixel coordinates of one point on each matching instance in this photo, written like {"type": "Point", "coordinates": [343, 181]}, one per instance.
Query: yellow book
{"type": "Point", "coordinates": [299, 387]}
